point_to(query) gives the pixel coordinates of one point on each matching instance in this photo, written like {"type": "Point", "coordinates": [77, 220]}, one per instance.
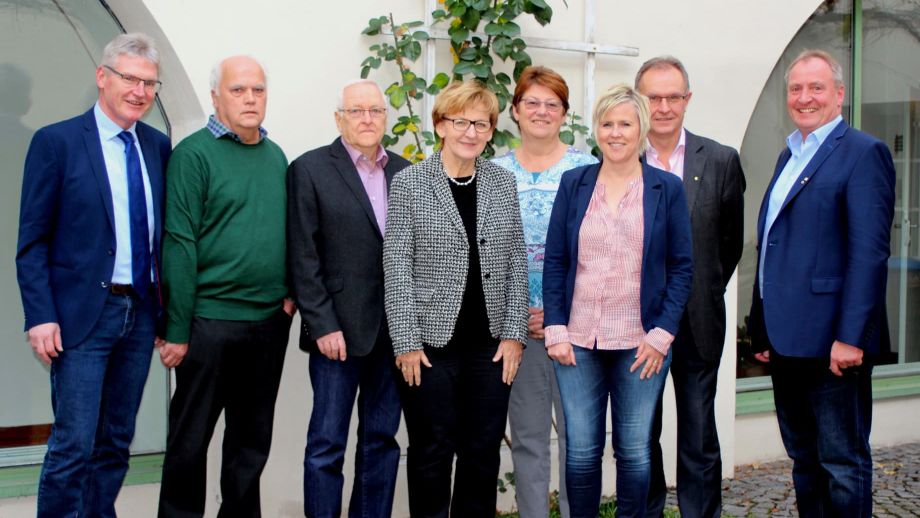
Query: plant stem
{"type": "Point", "coordinates": [402, 76]}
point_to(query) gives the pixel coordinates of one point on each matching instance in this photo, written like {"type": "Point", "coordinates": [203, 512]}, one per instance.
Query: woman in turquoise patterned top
{"type": "Point", "coordinates": [539, 106]}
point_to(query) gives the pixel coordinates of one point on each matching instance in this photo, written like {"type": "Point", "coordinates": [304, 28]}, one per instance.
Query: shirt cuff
{"type": "Point", "coordinates": [659, 339]}
{"type": "Point", "coordinates": [556, 334]}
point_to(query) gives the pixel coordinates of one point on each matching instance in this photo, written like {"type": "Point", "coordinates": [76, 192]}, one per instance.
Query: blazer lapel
{"type": "Point", "coordinates": [484, 190]}
{"type": "Point", "coordinates": [443, 195]}
{"type": "Point", "coordinates": [94, 152]}
{"type": "Point", "coordinates": [582, 200]}
{"type": "Point", "coordinates": [812, 168]}
{"type": "Point", "coordinates": [695, 157]}
{"type": "Point", "coordinates": [349, 174]}
{"type": "Point", "coordinates": [784, 157]}
{"type": "Point", "coordinates": [651, 192]}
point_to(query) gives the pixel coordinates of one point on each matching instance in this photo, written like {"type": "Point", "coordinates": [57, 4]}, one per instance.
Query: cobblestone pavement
{"type": "Point", "coordinates": [766, 489]}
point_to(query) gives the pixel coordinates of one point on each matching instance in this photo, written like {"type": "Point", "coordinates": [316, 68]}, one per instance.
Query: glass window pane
{"type": "Point", "coordinates": [891, 112]}
{"type": "Point", "coordinates": [828, 29]}
{"type": "Point", "coordinates": [48, 55]}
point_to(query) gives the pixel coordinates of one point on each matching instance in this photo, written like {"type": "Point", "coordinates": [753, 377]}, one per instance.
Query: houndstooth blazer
{"type": "Point", "coordinates": [426, 255]}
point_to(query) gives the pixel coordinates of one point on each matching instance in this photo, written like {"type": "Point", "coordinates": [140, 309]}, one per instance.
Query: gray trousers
{"type": "Point", "coordinates": [534, 394]}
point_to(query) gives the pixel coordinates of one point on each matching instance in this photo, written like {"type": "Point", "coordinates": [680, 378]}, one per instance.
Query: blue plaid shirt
{"type": "Point", "coordinates": [219, 130]}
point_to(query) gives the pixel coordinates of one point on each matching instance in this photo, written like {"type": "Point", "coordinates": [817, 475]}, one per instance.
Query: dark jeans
{"type": "Point", "coordinates": [825, 422]}
{"type": "Point", "coordinates": [586, 387]}
{"type": "Point", "coordinates": [699, 458]}
{"type": "Point", "coordinates": [459, 409]}
{"type": "Point", "coordinates": [96, 389]}
{"type": "Point", "coordinates": [235, 367]}
{"type": "Point", "coordinates": [335, 385]}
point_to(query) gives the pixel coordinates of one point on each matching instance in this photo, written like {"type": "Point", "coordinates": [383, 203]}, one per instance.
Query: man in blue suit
{"type": "Point", "coordinates": [89, 234]}
{"type": "Point", "coordinates": [818, 314]}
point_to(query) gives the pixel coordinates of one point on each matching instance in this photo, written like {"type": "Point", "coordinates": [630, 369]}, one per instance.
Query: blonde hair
{"type": "Point", "coordinates": [460, 95]}
{"type": "Point", "coordinates": [617, 95]}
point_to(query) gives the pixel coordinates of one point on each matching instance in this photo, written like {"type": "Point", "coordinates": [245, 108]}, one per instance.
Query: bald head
{"type": "Point", "coordinates": [239, 93]}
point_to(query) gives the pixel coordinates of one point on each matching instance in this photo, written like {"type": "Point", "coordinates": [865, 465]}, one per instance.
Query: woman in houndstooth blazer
{"type": "Point", "coordinates": [455, 272]}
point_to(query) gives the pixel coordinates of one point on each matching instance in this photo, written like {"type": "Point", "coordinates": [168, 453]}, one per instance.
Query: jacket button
{"type": "Point", "coordinates": [103, 284]}
{"type": "Point", "coordinates": [482, 241]}
{"type": "Point", "coordinates": [110, 251]}
{"type": "Point", "coordinates": [486, 276]}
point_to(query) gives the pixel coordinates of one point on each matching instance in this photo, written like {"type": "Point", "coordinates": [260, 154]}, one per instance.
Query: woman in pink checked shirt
{"type": "Point", "coordinates": [615, 281]}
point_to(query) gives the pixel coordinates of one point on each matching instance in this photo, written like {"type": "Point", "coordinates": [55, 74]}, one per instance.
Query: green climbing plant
{"type": "Point", "coordinates": [480, 32]}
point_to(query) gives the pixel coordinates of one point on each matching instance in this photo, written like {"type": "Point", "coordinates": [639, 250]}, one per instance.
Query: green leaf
{"type": "Point", "coordinates": [420, 36]}
{"type": "Point", "coordinates": [399, 129]}
{"type": "Point", "coordinates": [413, 24]}
{"type": "Point", "coordinates": [441, 79]}
{"type": "Point", "coordinates": [481, 70]}
{"type": "Point", "coordinates": [502, 48]}
{"type": "Point", "coordinates": [463, 68]}
{"type": "Point", "coordinates": [539, 3]}
{"type": "Point", "coordinates": [511, 29]}
{"type": "Point", "coordinates": [469, 54]}
{"type": "Point", "coordinates": [503, 78]}
{"type": "Point", "coordinates": [458, 10]}
{"type": "Point", "coordinates": [492, 29]}
{"type": "Point", "coordinates": [398, 98]}
{"type": "Point", "coordinates": [413, 51]}
{"type": "Point", "coordinates": [458, 35]}
{"type": "Point", "coordinates": [365, 71]}
{"type": "Point", "coordinates": [439, 14]}
{"type": "Point", "coordinates": [567, 137]}
{"type": "Point", "coordinates": [470, 19]}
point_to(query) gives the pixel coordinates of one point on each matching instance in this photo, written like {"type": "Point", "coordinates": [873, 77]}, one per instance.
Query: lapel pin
{"type": "Point", "coordinates": [696, 178]}
{"type": "Point", "coordinates": [804, 180]}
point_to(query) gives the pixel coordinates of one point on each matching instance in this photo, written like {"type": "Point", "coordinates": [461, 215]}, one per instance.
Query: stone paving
{"type": "Point", "coordinates": [766, 489]}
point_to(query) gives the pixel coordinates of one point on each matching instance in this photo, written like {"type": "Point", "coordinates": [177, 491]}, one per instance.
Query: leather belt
{"type": "Point", "coordinates": [121, 289]}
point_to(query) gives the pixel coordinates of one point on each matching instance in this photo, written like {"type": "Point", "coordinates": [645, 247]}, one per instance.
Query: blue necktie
{"type": "Point", "coordinates": [137, 209]}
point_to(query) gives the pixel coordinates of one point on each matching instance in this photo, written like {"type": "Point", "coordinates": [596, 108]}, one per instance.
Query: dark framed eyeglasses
{"type": "Point", "coordinates": [150, 85]}
{"type": "Point", "coordinates": [462, 125]}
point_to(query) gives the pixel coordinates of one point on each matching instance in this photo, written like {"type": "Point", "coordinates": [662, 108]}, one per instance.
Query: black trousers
{"type": "Point", "coordinates": [234, 367]}
{"type": "Point", "coordinates": [699, 458]}
{"type": "Point", "coordinates": [459, 409]}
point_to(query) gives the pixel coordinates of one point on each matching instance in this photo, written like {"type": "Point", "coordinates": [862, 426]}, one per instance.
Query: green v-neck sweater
{"type": "Point", "coordinates": [224, 241]}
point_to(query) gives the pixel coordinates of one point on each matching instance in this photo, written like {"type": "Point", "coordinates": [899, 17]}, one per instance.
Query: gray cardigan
{"type": "Point", "coordinates": [426, 255]}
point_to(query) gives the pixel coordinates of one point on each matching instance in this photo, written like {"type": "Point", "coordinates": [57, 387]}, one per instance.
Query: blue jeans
{"type": "Point", "coordinates": [335, 385]}
{"type": "Point", "coordinates": [96, 389]}
{"type": "Point", "coordinates": [586, 387]}
{"type": "Point", "coordinates": [825, 422]}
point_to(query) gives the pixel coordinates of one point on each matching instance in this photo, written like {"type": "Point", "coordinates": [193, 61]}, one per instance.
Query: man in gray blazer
{"type": "Point", "coordinates": [337, 204]}
{"type": "Point", "coordinates": [714, 185]}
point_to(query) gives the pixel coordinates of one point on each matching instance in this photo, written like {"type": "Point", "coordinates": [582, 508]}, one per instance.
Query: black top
{"type": "Point", "coordinates": [472, 327]}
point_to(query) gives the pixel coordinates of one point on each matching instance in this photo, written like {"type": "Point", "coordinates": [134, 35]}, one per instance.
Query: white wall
{"type": "Point", "coordinates": [312, 47]}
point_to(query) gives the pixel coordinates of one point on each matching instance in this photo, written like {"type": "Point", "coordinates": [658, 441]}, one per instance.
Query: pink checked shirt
{"type": "Point", "coordinates": [605, 305]}
{"type": "Point", "coordinates": [675, 161]}
{"type": "Point", "coordinates": [373, 179]}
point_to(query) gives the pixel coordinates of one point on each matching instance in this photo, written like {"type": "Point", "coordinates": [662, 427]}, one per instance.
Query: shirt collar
{"type": "Point", "coordinates": [107, 127]}
{"type": "Point", "coordinates": [218, 129]}
{"type": "Point", "coordinates": [382, 158]}
{"type": "Point", "coordinates": [794, 141]}
{"type": "Point", "coordinates": [681, 143]}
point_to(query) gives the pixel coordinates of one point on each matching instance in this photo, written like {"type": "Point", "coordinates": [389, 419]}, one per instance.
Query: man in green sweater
{"type": "Point", "coordinates": [224, 274]}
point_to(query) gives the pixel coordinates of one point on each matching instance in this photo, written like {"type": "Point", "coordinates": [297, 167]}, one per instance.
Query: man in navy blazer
{"type": "Point", "coordinates": [818, 313]}
{"type": "Point", "coordinates": [89, 232]}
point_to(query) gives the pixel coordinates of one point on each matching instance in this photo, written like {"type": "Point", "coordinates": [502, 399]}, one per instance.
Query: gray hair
{"type": "Point", "coordinates": [617, 95]}
{"type": "Point", "coordinates": [340, 102]}
{"type": "Point", "coordinates": [825, 56]}
{"type": "Point", "coordinates": [217, 72]}
{"type": "Point", "coordinates": [132, 44]}
{"type": "Point", "coordinates": [664, 62]}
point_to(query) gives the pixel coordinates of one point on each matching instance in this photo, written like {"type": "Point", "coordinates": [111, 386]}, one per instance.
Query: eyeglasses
{"type": "Point", "coordinates": [462, 125]}
{"type": "Point", "coordinates": [150, 85]}
{"type": "Point", "coordinates": [357, 113]}
{"type": "Point", "coordinates": [530, 104]}
{"type": "Point", "coordinates": [655, 100]}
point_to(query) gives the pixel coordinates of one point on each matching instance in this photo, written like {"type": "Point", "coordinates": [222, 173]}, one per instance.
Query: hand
{"type": "Point", "coordinates": [289, 307]}
{"type": "Point", "coordinates": [510, 352]}
{"type": "Point", "coordinates": [562, 353]}
{"type": "Point", "coordinates": [46, 341]}
{"type": "Point", "coordinates": [171, 354]}
{"type": "Point", "coordinates": [763, 356]}
{"type": "Point", "coordinates": [651, 358]}
{"type": "Point", "coordinates": [844, 356]}
{"type": "Point", "coordinates": [410, 365]}
{"type": "Point", "coordinates": [332, 345]}
{"type": "Point", "coordinates": [535, 323]}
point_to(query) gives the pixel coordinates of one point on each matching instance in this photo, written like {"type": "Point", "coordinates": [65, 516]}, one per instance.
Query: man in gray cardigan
{"type": "Point", "coordinates": [337, 204]}
{"type": "Point", "coordinates": [714, 185]}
